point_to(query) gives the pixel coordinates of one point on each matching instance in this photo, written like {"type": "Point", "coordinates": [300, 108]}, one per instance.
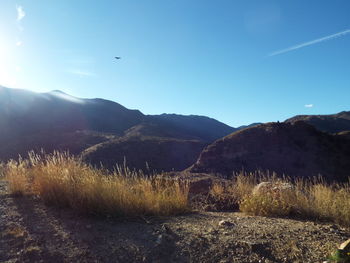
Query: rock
{"type": "Point", "coordinates": [226, 223]}
{"type": "Point", "coordinates": [159, 239]}
{"type": "Point", "coordinates": [345, 246]}
{"type": "Point", "coordinates": [200, 187]}
{"type": "Point", "coordinates": [272, 188]}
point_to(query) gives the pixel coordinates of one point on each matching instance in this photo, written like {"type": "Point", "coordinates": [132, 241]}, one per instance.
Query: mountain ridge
{"type": "Point", "coordinates": [331, 123]}
{"type": "Point", "coordinates": [56, 120]}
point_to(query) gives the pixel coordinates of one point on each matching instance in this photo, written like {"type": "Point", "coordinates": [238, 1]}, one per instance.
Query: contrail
{"type": "Point", "coordinates": [336, 35]}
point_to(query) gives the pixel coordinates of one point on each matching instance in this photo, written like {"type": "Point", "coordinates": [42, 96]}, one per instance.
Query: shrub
{"type": "Point", "coordinates": [312, 199]}
{"type": "Point", "coordinates": [308, 198]}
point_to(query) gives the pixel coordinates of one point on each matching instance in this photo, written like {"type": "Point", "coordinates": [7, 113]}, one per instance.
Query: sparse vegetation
{"type": "Point", "coordinates": [340, 257]}
{"type": "Point", "coordinates": [65, 181]}
{"type": "Point", "coordinates": [313, 199]}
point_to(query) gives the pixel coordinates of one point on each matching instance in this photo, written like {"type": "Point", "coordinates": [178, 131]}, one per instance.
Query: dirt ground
{"type": "Point", "coordinates": [33, 232]}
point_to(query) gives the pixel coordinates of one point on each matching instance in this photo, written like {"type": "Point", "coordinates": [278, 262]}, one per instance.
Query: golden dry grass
{"type": "Point", "coordinates": [308, 198]}
{"type": "Point", "coordinates": [62, 180]}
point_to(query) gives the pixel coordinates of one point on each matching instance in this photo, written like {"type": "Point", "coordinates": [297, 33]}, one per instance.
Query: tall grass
{"type": "Point", "coordinates": [65, 181]}
{"type": "Point", "coordinates": [2, 170]}
{"type": "Point", "coordinates": [307, 198]}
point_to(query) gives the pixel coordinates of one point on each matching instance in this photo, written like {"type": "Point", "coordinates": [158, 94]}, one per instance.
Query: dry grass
{"type": "Point", "coordinates": [65, 181]}
{"type": "Point", "coordinates": [2, 170]}
{"type": "Point", "coordinates": [15, 231]}
{"type": "Point", "coordinates": [313, 199]}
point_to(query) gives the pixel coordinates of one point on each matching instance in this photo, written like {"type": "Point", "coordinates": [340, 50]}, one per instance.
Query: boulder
{"type": "Point", "coordinates": [272, 188]}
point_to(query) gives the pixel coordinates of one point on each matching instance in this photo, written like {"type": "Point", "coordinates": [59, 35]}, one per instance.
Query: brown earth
{"type": "Point", "coordinates": [33, 232]}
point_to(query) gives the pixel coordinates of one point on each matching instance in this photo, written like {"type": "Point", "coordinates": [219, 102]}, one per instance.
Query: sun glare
{"type": "Point", "coordinates": [7, 69]}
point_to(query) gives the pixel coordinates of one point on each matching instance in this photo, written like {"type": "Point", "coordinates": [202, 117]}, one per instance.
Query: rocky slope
{"type": "Point", "coordinates": [294, 149]}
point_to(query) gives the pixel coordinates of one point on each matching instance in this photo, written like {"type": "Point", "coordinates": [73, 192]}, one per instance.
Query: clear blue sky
{"type": "Point", "coordinates": [214, 58]}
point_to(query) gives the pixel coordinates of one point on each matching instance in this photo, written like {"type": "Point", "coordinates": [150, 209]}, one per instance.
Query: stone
{"type": "Point", "coordinates": [226, 223]}
{"type": "Point", "coordinates": [345, 246]}
{"type": "Point", "coordinates": [272, 188]}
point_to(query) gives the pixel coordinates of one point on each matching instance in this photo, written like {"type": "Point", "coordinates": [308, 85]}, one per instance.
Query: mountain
{"type": "Point", "coordinates": [292, 148]}
{"type": "Point", "coordinates": [332, 123]}
{"type": "Point", "coordinates": [164, 142]}
{"type": "Point", "coordinates": [26, 112]}
{"type": "Point", "coordinates": [248, 126]}
{"type": "Point", "coordinates": [145, 153]}
{"type": "Point", "coordinates": [197, 127]}
{"type": "Point", "coordinates": [58, 121]}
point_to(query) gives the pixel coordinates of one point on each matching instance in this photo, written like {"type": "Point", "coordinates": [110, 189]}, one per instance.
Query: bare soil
{"type": "Point", "coordinates": [30, 231]}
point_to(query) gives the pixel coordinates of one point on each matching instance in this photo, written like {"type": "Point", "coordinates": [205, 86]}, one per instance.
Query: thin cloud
{"type": "Point", "coordinates": [82, 73]}
{"type": "Point", "coordinates": [19, 43]}
{"type": "Point", "coordinates": [312, 42]}
{"type": "Point", "coordinates": [20, 13]}
{"type": "Point", "coordinates": [308, 105]}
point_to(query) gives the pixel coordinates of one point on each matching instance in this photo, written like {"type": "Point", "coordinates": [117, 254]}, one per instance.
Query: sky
{"type": "Point", "coordinates": [238, 61]}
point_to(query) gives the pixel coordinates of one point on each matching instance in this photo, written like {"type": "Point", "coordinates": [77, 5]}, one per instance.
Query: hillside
{"type": "Point", "coordinates": [331, 123]}
{"type": "Point", "coordinates": [145, 153]}
{"type": "Point", "coordinates": [200, 127]}
{"type": "Point", "coordinates": [294, 149]}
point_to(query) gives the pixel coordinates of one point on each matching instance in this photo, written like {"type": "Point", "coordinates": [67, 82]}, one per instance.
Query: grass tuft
{"type": "Point", "coordinates": [308, 198]}
{"type": "Point", "coordinates": [63, 180]}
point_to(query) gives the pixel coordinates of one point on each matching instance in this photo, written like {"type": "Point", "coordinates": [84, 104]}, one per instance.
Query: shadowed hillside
{"type": "Point", "coordinates": [146, 153]}
{"type": "Point", "coordinates": [294, 149]}
{"type": "Point", "coordinates": [332, 123]}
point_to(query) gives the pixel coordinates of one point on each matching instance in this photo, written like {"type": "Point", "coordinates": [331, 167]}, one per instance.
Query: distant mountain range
{"type": "Point", "coordinates": [56, 120]}
{"type": "Point", "coordinates": [106, 133]}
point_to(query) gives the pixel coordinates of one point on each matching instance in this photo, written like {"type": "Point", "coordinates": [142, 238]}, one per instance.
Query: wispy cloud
{"type": "Point", "coordinates": [82, 66]}
{"type": "Point", "coordinates": [20, 13]}
{"type": "Point", "coordinates": [309, 43]}
{"type": "Point", "coordinates": [19, 43]}
{"type": "Point", "coordinates": [81, 73]}
{"type": "Point", "coordinates": [308, 105]}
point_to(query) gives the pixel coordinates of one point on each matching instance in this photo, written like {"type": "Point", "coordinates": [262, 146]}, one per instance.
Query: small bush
{"type": "Point", "coordinates": [266, 205]}
{"type": "Point", "coordinates": [65, 181]}
{"type": "Point", "coordinates": [309, 198]}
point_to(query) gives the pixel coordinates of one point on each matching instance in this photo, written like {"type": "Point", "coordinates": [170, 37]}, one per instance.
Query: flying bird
{"type": "Point", "coordinates": [117, 57]}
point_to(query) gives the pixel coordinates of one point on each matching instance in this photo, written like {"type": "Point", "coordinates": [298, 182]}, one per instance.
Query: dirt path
{"type": "Point", "coordinates": [33, 232]}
